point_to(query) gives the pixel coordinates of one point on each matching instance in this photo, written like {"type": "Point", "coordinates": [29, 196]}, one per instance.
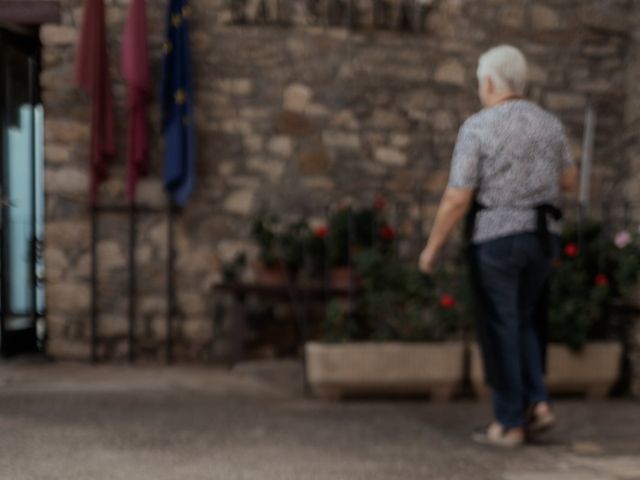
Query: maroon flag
{"type": "Point", "coordinates": [92, 74]}
{"type": "Point", "coordinates": [135, 70]}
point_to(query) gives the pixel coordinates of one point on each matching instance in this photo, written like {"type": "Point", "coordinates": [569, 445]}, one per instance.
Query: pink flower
{"type": "Point", "coordinates": [601, 280]}
{"type": "Point", "coordinates": [622, 239]}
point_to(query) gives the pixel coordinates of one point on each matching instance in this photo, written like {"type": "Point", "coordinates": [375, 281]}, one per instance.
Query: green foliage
{"type": "Point", "coordinates": [454, 283]}
{"type": "Point", "coordinates": [281, 244]}
{"type": "Point", "coordinates": [397, 303]}
{"type": "Point", "coordinates": [291, 244]}
{"type": "Point", "coordinates": [339, 326]}
{"type": "Point", "coordinates": [352, 230]}
{"type": "Point", "coordinates": [264, 234]}
{"type": "Point", "coordinates": [585, 283]}
{"type": "Point", "coordinates": [231, 271]}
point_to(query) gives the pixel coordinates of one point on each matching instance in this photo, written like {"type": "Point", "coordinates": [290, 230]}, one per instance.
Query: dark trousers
{"type": "Point", "coordinates": [511, 273]}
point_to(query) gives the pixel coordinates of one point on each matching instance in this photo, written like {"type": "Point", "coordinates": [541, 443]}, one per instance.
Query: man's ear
{"type": "Point", "coordinates": [490, 85]}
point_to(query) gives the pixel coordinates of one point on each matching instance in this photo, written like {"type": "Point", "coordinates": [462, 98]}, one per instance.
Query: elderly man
{"type": "Point", "coordinates": [510, 163]}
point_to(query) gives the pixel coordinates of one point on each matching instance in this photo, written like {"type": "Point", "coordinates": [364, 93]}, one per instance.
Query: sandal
{"type": "Point", "coordinates": [495, 435]}
{"type": "Point", "coordinates": [540, 422]}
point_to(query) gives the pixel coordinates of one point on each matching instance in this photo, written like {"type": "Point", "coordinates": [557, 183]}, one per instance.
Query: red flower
{"type": "Point", "coordinates": [379, 203]}
{"type": "Point", "coordinates": [601, 280]}
{"type": "Point", "coordinates": [387, 233]}
{"type": "Point", "coordinates": [571, 250]}
{"type": "Point", "coordinates": [321, 232]}
{"type": "Point", "coordinates": [447, 301]}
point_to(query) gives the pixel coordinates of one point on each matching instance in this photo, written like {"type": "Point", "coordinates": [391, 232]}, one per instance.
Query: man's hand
{"type": "Point", "coordinates": [453, 207]}
{"type": "Point", "coordinates": [427, 262]}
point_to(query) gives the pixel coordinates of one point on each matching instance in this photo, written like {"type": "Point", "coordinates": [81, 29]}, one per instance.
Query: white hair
{"type": "Point", "coordinates": [506, 66]}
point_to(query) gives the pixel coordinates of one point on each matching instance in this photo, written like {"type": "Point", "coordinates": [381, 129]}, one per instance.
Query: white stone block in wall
{"type": "Point", "coordinates": [334, 139]}
{"type": "Point", "coordinates": [62, 130]}
{"type": "Point", "coordinates": [281, 146]}
{"type": "Point", "coordinates": [345, 119]}
{"type": "Point", "coordinates": [536, 73]}
{"type": "Point", "coordinates": [240, 202]}
{"type": "Point", "coordinates": [236, 86]}
{"type": "Point", "coordinates": [385, 119]}
{"type": "Point", "coordinates": [271, 168]}
{"type": "Point", "coordinates": [150, 191]}
{"type": "Point", "coordinates": [226, 168]}
{"type": "Point", "coordinates": [67, 297]}
{"type": "Point", "coordinates": [400, 140]}
{"type": "Point", "coordinates": [297, 97]}
{"type": "Point", "coordinates": [56, 153]}
{"type": "Point", "coordinates": [69, 181]}
{"type": "Point", "coordinates": [565, 101]}
{"type": "Point", "coordinates": [58, 35]}
{"type": "Point", "coordinates": [113, 325]}
{"type": "Point", "coordinates": [444, 120]}
{"type": "Point", "coordinates": [391, 156]}
{"type": "Point", "coordinates": [236, 126]}
{"type": "Point", "coordinates": [197, 330]}
{"type": "Point", "coordinates": [544, 18]}
{"type": "Point", "coordinates": [318, 183]}
{"type": "Point", "coordinates": [56, 263]}
{"type": "Point", "coordinates": [451, 72]}
{"type": "Point", "coordinates": [111, 256]}
{"type": "Point", "coordinates": [512, 16]}
{"type": "Point", "coordinates": [316, 110]}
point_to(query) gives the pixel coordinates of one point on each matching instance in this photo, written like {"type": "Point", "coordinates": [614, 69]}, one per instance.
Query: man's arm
{"type": "Point", "coordinates": [453, 207]}
{"type": "Point", "coordinates": [569, 179]}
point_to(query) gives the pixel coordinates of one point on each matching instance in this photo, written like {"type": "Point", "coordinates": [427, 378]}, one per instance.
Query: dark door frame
{"type": "Point", "coordinates": [23, 340]}
{"type": "Point", "coordinates": [19, 27]}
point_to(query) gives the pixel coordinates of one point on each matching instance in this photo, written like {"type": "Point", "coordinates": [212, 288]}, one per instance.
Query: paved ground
{"type": "Point", "coordinates": [78, 422]}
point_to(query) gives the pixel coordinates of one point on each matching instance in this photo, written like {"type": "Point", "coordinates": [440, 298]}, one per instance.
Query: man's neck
{"type": "Point", "coordinates": [504, 98]}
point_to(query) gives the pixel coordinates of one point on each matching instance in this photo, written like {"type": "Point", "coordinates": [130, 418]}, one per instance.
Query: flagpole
{"type": "Point", "coordinates": [94, 282]}
{"type": "Point", "coordinates": [170, 279]}
{"type": "Point", "coordinates": [132, 277]}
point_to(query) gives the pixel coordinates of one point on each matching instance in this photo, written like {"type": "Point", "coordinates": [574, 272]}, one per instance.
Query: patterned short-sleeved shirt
{"type": "Point", "coordinates": [512, 155]}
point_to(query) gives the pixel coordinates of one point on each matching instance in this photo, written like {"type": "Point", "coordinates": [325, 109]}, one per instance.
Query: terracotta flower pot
{"type": "Point", "coordinates": [341, 277]}
{"type": "Point", "coordinates": [270, 275]}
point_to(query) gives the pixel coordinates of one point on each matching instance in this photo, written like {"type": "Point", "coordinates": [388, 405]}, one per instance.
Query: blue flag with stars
{"type": "Point", "coordinates": [177, 105]}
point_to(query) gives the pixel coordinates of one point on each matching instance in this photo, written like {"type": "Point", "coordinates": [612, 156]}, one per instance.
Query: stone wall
{"type": "Point", "coordinates": [632, 140]}
{"type": "Point", "coordinates": [632, 112]}
{"type": "Point", "coordinates": [294, 118]}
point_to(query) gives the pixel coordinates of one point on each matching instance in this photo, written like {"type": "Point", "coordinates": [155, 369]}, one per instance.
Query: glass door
{"type": "Point", "coordinates": [21, 196]}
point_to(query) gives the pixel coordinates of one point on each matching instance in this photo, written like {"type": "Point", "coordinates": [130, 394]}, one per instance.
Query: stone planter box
{"type": "Point", "coordinates": [591, 372]}
{"type": "Point", "coordinates": [394, 368]}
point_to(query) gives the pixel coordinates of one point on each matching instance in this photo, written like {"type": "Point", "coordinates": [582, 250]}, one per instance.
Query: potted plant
{"type": "Point", "coordinates": [389, 339]}
{"type": "Point", "coordinates": [232, 271]}
{"type": "Point", "coordinates": [281, 249]}
{"type": "Point", "coordinates": [316, 252]}
{"type": "Point", "coordinates": [268, 269]}
{"type": "Point", "coordinates": [350, 231]}
{"type": "Point", "coordinates": [593, 271]}
{"type": "Point", "coordinates": [291, 246]}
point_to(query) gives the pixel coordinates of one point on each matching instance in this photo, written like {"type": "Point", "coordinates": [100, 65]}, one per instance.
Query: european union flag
{"type": "Point", "coordinates": [177, 105]}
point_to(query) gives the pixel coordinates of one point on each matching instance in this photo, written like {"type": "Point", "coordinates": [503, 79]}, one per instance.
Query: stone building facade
{"type": "Point", "coordinates": [294, 114]}
{"type": "Point", "coordinates": [632, 140]}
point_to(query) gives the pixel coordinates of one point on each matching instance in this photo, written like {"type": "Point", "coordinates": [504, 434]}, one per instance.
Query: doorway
{"type": "Point", "coordinates": [22, 299]}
